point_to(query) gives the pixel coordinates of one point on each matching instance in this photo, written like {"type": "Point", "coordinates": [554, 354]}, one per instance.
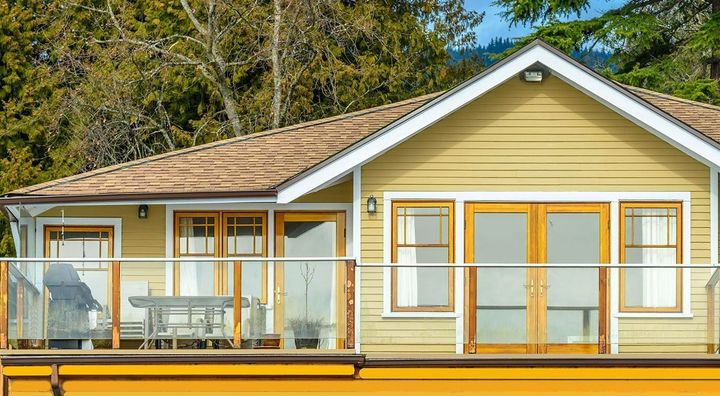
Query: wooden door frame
{"type": "Point", "coordinates": [339, 217]}
{"type": "Point", "coordinates": [536, 318]}
{"type": "Point", "coordinates": [471, 345]}
{"type": "Point", "coordinates": [603, 209]}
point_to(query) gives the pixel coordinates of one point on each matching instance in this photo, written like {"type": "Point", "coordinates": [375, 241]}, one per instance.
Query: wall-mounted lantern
{"type": "Point", "coordinates": [372, 204]}
{"type": "Point", "coordinates": [142, 212]}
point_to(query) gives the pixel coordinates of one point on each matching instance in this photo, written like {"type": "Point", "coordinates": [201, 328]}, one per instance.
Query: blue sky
{"type": "Point", "coordinates": [495, 26]}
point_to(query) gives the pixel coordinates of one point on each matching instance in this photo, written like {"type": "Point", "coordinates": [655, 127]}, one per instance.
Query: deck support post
{"type": "Point", "coordinates": [237, 303]}
{"type": "Point", "coordinates": [350, 305]}
{"type": "Point", "coordinates": [115, 265]}
{"type": "Point", "coordinates": [4, 304]}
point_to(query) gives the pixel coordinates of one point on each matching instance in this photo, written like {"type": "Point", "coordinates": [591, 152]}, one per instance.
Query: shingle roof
{"type": "Point", "coordinates": [250, 164]}
{"type": "Point", "coordinates": [257, 163]}
{"type": "Point", "coordinates": [703, 117]}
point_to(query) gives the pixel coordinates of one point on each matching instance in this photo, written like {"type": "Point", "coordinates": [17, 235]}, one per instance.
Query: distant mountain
{"type": "Point", "coordinates": [596, 59]}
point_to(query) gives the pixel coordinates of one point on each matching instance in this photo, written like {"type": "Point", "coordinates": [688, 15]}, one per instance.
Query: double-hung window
{"type": "Point", "coordinates": [422, 234]}
{"type": "Point", "coordinates": [651, 233]}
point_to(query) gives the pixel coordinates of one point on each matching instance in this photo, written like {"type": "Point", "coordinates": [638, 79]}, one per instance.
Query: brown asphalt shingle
{"type": "Point", "coordinates": [703, 117]}
{"type": "Point", "coordinates": [259, 162]}
{"type": "Point", "coordinates": [252, 163]}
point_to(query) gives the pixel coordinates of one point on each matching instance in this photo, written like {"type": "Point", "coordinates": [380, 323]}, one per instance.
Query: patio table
{"type": "Point", "coordinates": [186, 308]}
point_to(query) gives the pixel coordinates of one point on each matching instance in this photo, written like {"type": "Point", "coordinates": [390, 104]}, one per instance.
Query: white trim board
{"type": "Point", "coordinates": [41, 222]}
{"type": "Point", "coordinates": [611, 95]}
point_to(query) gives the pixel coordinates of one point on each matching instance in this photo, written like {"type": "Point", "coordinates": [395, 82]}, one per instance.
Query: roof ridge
{"type": "Point", "coordinates": [222, 142]}
{"type": "Point", "coordinates": [672, 97]}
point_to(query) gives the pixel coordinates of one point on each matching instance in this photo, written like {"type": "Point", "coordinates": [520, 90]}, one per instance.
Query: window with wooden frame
{"type": "Point", "coordinates": [245, 235]}
{"type": "Point", "coordinates": [220, 234]}
{"type": "Point", "coordinates": [85, 242]}
{"type": "Point", "coordinates": [651, 233]}
{"type": "Point", "coordinates": [422, 232]}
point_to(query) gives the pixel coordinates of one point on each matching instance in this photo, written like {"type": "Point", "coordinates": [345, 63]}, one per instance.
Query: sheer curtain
{"type": "Point", "coordinates": [196, 278]}
{"type": "Point", "coordinates": [407, 277]}
{"type": "Point", "coordinates": [658, 283]}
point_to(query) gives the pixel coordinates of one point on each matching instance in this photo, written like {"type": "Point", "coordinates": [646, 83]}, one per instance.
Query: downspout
{"type": "Point", "coordinates": [55, 381]}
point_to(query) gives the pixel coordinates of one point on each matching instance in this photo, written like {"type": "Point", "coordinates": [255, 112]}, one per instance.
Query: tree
{"type": "Point", "coordinates": [90, 83]}
{"type": "Point", "coordinates": [666, 45]}
{"type": "Point", "coordinates": [283, 61]}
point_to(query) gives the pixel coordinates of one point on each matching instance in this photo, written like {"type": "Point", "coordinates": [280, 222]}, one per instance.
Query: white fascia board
{"type": "Point", "coordinates": [594, 86]}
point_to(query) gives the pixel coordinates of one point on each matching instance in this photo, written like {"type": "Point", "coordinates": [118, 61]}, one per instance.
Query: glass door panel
{"type": "Point", "coordinates": [570, 297]}
{"type": "Point", "coordinates": [309, 315]}
{"type": "Point", "coordinates": [502, 317]}
{"type": "Point", "coordinates": [537, 310]}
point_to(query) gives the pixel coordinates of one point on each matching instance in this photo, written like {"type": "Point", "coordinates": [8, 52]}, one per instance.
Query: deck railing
{"type": "Point", "coordinates": [503, 307]}
{"type": "Point", "coordinates": [556, 308]}
{"type": "Point", "coordinates": [83, 303]}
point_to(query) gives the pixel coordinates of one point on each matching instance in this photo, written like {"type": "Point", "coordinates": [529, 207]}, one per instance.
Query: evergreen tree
{"type": "Point", "coordinates": [670, 46]}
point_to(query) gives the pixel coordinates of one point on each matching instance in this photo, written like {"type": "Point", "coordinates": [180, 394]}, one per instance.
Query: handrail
{"type": "Point", "coordinates": [352, 259]}
{"type": "Point", "coordinates": [171, 259]}
{"type": "Point", "coordinates": [535, 265]}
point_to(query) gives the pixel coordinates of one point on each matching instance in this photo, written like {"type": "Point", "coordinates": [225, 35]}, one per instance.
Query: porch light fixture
{"type": "Point", "coordinates": [142, 212]}
{"type": "Point", "coordinates": [533, 76]}
{"type": "Point", "coordinates": [372, 204]}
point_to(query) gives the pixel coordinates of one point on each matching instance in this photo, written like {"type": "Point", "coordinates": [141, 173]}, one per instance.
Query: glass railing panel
{"type": "Point", "coordinates": [196, 315]}
{"type": "Point", "coordinates": [312, 304]}
{"type": "Point", "coordinates": [59, 305]}
{"type": "Point", "coordinates": [306, 310]}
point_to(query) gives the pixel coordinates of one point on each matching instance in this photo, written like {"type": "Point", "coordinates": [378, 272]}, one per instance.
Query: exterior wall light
{"type": "Point", "coordinates": [533, 76]}
{"type": "Point", "coordinates": [372, 204]}
{"type": "Point", "coordinates": [142, 212]}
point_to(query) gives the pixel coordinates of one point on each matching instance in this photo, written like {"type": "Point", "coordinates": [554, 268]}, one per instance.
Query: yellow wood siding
{"type": "Point", "coordinates": [339, 193]}
{"type": "Point", "coordinates": [140, 238]}
{"type": "Point", "coordinates": [532, 137]}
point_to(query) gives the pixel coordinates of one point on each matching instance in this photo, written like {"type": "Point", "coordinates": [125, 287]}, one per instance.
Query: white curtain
{"type": "Point", "coordinates": [658, 283]}
{"type": "Point", "coordinates": [196, 278]}
{"type": "Point", "coordinates": [407, 293]}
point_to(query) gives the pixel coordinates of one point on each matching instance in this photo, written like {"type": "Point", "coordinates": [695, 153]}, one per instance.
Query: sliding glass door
{"type": "Point", "coordinates": [536, 310]}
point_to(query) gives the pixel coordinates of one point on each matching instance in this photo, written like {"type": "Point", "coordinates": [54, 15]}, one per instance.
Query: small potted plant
{"type": "Point", "coordinates": [306, 330]}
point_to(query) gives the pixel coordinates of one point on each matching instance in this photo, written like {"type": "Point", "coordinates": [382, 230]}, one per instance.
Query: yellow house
{"type": "Point", "coordinates": [537, 223]}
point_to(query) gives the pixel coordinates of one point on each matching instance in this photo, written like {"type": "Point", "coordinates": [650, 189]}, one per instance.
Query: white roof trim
{"type": "Point", "coordinates": [624, 103]}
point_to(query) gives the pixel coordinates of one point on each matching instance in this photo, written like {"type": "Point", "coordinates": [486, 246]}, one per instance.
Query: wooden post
{"type": "Point", "coordinates": [115, 305]}
{"type": "Point", "coordinates": [350, 307]}
{"type": "Point", "coordinates": [4, 304]}
{"type": "Point", "coordinates": [237, 303]}
{"type": "Point", "coordinates": [710, 319]}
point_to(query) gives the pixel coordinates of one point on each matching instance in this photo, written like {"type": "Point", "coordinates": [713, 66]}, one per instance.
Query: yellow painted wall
{"type": "Point", "coordinates": [339, 193]}
{"type": "Point", "coordinates": [140, 238]}
{"type": "Point", "coordinates": [531, 137]}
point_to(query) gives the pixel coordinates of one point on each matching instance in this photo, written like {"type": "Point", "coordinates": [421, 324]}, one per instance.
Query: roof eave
{"type": "Point", "coordinates": [26, 199]}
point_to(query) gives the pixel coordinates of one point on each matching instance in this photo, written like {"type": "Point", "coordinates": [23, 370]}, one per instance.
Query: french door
{"type": "Point", "coordinates": [309, 296]}
{"type": "Point", "coordinates": [536, 310]}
